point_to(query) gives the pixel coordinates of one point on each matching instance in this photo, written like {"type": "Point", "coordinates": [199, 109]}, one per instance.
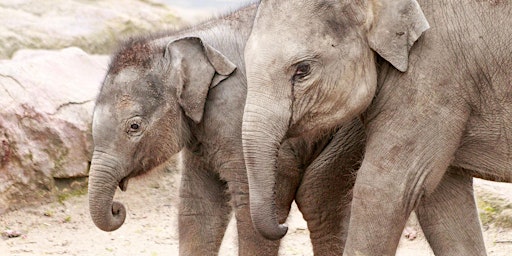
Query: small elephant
{"type": "Point", "coordinates": [430, 79]}
{"type": "Point", "coordinates": [186, 91]}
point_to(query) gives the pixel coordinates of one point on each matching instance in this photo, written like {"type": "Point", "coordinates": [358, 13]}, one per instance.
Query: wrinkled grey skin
{"type": "Point", "coordinates": [440, 100]}
{"type": "Point", "coordinates": [187, 91]}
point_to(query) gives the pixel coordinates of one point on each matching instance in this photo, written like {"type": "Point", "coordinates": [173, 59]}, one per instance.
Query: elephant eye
{"type": "Point", "coordinates": [134, 126]}
{"type": "Point", "coordinates": [302, 70]}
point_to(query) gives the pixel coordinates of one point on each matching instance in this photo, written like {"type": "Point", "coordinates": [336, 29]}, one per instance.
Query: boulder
{"type": "Point", "coordinates": [46, 103]}
{"type": "Point", "coordinates": [94, 26]}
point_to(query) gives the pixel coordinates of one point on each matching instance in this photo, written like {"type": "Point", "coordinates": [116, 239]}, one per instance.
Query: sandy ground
{"type": "Point", "coordinates": [151, 227]}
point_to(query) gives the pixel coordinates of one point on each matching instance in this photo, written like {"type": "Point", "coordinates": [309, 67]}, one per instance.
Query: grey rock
{"type": "Point", "coordinates": [46, 103]}
{"type": "Point", "coordinates": [94, 26]}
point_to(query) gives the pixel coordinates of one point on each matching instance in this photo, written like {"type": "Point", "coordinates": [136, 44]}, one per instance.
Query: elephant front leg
{"type": "Point", "coordinates": [324, 200]}
{"type": "Point", "coordinates": [380, 211]}
{"type": "Point", "coordinates": [204, 211]}
{"type": "Point", "coordinates": [405, 160]}
{"type": "Point", "coordinates": [325, 193]}
{"type": "Point", "coordinates": [449, 217]}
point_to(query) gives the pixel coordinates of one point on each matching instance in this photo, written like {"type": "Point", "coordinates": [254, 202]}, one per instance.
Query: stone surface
{"type": "Point", "coordinates": [46, 103]}
{"type": "Point", "coordinates": [94, 26]}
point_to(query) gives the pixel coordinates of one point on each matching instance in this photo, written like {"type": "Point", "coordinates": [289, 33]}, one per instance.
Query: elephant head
{"type": "Point", "coordinates": [311, 66]}
{"type": "Point", "coordinates": [150, 95]}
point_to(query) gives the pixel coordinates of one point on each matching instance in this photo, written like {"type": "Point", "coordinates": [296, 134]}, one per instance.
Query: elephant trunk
{"type": "Point", "coordinates": [265, 123]}
{"type": "Point", "coordinates": [107, 215]}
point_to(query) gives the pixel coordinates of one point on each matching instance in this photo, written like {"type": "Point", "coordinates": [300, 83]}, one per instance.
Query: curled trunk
{"type": "Point", "coordinates": [107, 215]}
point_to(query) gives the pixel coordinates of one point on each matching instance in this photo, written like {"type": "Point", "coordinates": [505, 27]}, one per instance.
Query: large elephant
{"type": "Point", "coordinates": [432, 100]}
{"type": "Point", "coordinates": [165, 93]}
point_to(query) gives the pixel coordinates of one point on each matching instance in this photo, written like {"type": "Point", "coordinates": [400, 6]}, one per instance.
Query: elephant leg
{"type": "Point", "coordinates": [204, 210]}
{"type": "Point", "coordinates": [405, 159]}
{"type": "Point", "coordinates": [324, 200]}
{"type": "Point", "coordinates": [381, 205]}
{"type": "Point", "coordinates": [325, 193]}
{"type": "Point", "coordinates": [449, 217]}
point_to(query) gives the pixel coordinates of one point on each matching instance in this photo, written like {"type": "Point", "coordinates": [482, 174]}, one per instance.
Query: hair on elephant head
{"type": "Point", "coordinates": [150, 93]}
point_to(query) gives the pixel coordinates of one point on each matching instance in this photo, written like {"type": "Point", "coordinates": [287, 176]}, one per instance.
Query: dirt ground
{"type": "Point", "coordinates": [151, 227]}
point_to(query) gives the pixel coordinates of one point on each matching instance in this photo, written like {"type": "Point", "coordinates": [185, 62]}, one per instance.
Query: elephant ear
{"type": "Point", "coordinates": [196, 67]}
{"type": "Point", "coordinates": [396, 25]}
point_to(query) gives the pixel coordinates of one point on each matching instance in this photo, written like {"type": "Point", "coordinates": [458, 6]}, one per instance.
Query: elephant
{"type": "Point", "coordinates": [431, 82]}
{"type": "Point", "coordinates": [185, 91]}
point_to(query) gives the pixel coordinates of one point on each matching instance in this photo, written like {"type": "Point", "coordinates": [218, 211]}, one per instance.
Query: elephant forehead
{"type": "Point", "coordinates": [297, 17]}
{"type": "Point", "coordinates": [127, 75]}
{"type": "Point", "coordinates": [278, 52]}
{"type": "Point", "coordinates": [117, 85]}
{"type": "Point", "coordinates": [290, 45]}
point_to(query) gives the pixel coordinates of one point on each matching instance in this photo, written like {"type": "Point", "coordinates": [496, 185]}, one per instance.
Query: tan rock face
{"type": "Point", "coordinates": [46, 103]}
{"type": "Point", "coordinates": [94, 26]}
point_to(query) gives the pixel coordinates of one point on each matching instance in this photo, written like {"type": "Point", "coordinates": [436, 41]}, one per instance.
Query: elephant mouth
{"type": "Point", "coordinates": [123, 184]}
